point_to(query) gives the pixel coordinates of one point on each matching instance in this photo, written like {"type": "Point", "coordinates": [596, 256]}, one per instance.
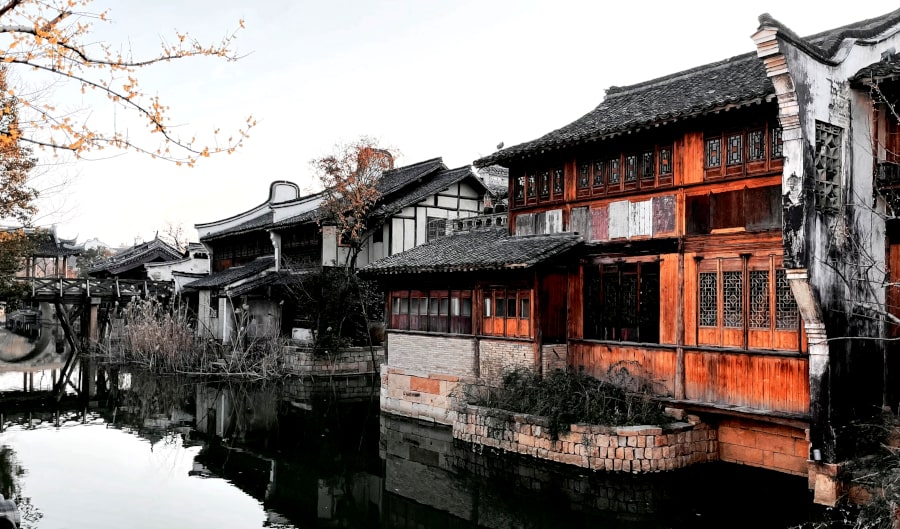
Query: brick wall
{"type": "Point", "coordinates": [498, 356]}
{"type": "Point", "coordinates": [554, 357]}
{"type": "Point", "coordinates": [759, 444]}
{"type": "Point", "coordinates": [349, 361]}
{"type": "Point", "coordinates": [447, 355]}
{"type": "Point", "coordinates": [635, 449]}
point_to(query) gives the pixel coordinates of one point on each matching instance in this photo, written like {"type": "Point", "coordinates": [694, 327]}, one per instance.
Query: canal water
{"type": "Point", "coordinates": [129, 449]}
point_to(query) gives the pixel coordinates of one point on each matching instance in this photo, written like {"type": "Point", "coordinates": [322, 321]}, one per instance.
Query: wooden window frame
{"type": "Point", "coordinates": [509, 324]}
{"type": "Point", "coordinates": [771, 336]}
{"type": "Point", "coordinates": [431, 310]}
{"type": "Point", "coordinates": [728, 167]}
{"type": "Point", "coordinates": [616, 329]}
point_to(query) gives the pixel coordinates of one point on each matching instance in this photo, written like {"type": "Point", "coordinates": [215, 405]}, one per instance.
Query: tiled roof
{"type": "Point", "coordinates": [257, 223]}
{"type": "Point", "coordinates": [395, 179]}
{"type": "Point", "coordinates": [265, 279]}
{"type": "Point", "coordinates": [435, 183]}
{"type": "Point", "coordinates": [235, 273]}
{"type": "Point", "coordinates": [308, 216]}
{"type": "Point", "coordinates": [738, 80]}
{"type": "Point", "coordinates": [884, 69]}
{"type": "Point", "coordinates": [484, 249]}
{"type": "Point", "coordinates": [136, 256]}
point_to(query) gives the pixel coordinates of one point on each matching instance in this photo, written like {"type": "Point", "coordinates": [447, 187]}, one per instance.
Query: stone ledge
{"type": "Point", "coordinates": [635, 449]}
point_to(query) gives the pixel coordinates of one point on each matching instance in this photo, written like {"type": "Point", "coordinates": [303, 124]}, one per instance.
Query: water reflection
{"type": "Point", "coordinates": [152, 451]}
{"type": "Point", "coordinates": [136, 450]}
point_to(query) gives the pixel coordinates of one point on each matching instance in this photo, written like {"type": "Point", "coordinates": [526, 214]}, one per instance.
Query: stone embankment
{"type": "Point", "coordinates": [636, 449]}
{"type": "Point", "coordinates": [348, 361]}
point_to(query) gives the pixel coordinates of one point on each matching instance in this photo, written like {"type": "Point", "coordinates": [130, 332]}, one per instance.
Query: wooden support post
{"type": "Point", "coordinates": [70, 338]}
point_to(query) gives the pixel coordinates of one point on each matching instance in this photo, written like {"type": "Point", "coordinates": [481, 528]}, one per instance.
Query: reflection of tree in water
{"type": "Point", "coordinates": [11, 473]}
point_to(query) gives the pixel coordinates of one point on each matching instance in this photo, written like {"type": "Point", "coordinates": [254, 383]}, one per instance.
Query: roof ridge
{"type": "Point", "coordinates": [431, 160]}
{"type": "Point", "coordinates": [613, 91]}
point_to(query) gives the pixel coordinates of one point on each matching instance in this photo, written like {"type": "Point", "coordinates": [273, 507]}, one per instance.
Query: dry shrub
{"type": "Point", "coordinates": [567, 397]}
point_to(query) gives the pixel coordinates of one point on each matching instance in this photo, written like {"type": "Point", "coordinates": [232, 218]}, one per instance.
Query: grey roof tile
{"type": "Point", "coordinates": [434, 183]}
{"type": "Point", "coordinates": [740, 79]}
{"type": "Point", "coordinates": [483, 249]}
{"type": "Point", "coordinates": [233, 274]}
{"type": "Point", "coordinates": [258, 223]}
{"type": "Point", "coordinates": [136, 256]}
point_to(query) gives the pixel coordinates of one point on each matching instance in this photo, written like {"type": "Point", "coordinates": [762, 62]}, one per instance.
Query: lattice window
{"type": "Point", "coordinates": [647, 169]}
{"type": "Point", "coordinates": [584, 175]}
{"type": "Point", "coordinates": [777, 143]}
{"type": "Point", "coordinates": [437, 228]}
{"type": "Point", "coordinates": [760, 317]}
{"type": "Point", "coordinates": [559, 181]}
{"type": "Point", "coordinates": [828, 166]}
{"type": "Point", "coordinates": [756, 145]}
{"type": "Point", "coordinates": [665, 161]}
{"type": "Point", "coordinates": [598, 174]}
{"type": "Point", "coordinates": [544, 182]}
{"type": "Point", "coordinates": [787, 315]}
{"type": "Point", "coordinates": [714, 152]}
{"type": "Point", "coordinates": [631, 168]}
{"type": "Point", "coordinates": [615, 171]}
{"type": "Point", "coordinates": [531, 185]}
{"type": "Point", "coordinates": [520, 188]}
{"type": "Point", "coordinates": [733, 299]}
{"type": "Point", "coordinates": [735, 149]}
{"type": "Point", "coordinates": [708, 305]}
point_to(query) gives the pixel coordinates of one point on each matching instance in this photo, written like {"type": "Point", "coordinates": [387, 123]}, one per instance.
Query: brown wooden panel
{"type": "Point", "coordinates": [576, 303]}
{"type": "Point", "coordinates": [691, 159]}
{"type": "Point", "coordinates": [605, 362]}
{"type": "Point", "coordinates": [668, 286]}
{"type": "Point", "coordinates": [690, 299]}
{"type": "Point", "coordinates": [893, 291]}
{"type": "Point", "coordinates": [775, 383]}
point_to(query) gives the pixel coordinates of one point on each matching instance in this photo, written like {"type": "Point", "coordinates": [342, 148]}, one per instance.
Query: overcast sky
{"type": "Point", "coordinates": [429, 78]}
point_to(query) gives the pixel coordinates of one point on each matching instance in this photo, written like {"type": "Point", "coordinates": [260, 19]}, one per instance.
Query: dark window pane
{"type": "Point", "coordinates": [787, 315]}
{"type": "Point", "coordinates": [524, 308]}
{"type": "Point", "coordinates": [713, 152]}
{"type": "Point", "coordinates": [584, 175]}
{"type": "Point", "coordinates": [466, 309]}
{"type": "Point", "coordinates": [511, 308]}
{"type": "Point", "coordinates": [544, 183]}
{"type": "Point", "coordinates": [445, 306]}
{"type": "Point", "coordinates": [631, 168]}
{"type": "Point", "coordinates": [615, 175]}
{"type": "Point", "coordinates": [777, 143]}
{"type": "Point", "coordinates": [756, 145]}
{"type": "Point", "coordinates": [433, 306]}
{"type": "Point", "coordinates": [559, 182]}
{"type": "Point", "coordinates": [733, 299]}
{"type": "Point", "coordinates": [708, 304]}
{"type": "Point", "coordinates": [598, 174]}
{"type": "Point", "coordinates": [735, 149]}
{"type": "Point", "coordinates": [647, 166]}
{"type": "Point", "coordinates": [759, 299]}
{"type": "Point", "coordinates": [501, 307]}
{"type": "Point", "coordinates": [665, 161]}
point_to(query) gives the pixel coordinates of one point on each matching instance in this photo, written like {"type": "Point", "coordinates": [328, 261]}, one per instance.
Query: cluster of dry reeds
{"type": "Point", "coordinates": [161, 338]}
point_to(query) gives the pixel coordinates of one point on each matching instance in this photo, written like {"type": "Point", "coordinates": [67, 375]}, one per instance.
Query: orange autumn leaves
{"type": "Point", "coordinates": [55, 38]}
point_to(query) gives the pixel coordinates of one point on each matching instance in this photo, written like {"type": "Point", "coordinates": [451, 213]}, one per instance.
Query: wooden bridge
{"type": "Point", "coordinates": [72, 291]}
{"type": "Point", "coordinates": [81, 298]}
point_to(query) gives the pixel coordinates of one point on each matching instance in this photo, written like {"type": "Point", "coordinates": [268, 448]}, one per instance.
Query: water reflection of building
{"type": "Point", "coordinates": [433, 481]}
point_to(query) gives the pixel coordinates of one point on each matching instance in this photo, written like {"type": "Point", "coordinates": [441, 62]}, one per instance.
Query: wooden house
{"type": "Point", "coordinates": [724, 242]}
{"type": "Point", "coordinates": [253, 253]}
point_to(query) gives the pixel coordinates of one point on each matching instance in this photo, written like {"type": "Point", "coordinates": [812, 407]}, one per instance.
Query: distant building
{"type": "Point", "coordinates": [252, 252]}
{"type": "Point", "coordinates": [129, 263]}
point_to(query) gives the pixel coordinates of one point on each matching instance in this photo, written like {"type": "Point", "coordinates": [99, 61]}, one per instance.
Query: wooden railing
{"type": "Point", "coordinates": [752, 380]}
{"type": "Point", "coordinates": [51, 288]}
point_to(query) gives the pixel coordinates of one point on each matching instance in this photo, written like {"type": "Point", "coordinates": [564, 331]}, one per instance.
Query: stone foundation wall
{"type": "Point", "coordinates": [759, 444]}
{"type": "Point", "coordinates": [418, 394]}
{"type": "Point", "coordinates": [635, 449]}
{"type": "Point", "coordinates": [349, 361]}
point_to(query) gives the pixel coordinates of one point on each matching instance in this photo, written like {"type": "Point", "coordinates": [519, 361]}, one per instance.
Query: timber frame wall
{"type": "Point", "coordinates": [701, 200]}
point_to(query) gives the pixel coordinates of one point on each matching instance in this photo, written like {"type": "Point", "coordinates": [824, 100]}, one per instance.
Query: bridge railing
{"type": "Point", "coordinates": [53, 287]}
